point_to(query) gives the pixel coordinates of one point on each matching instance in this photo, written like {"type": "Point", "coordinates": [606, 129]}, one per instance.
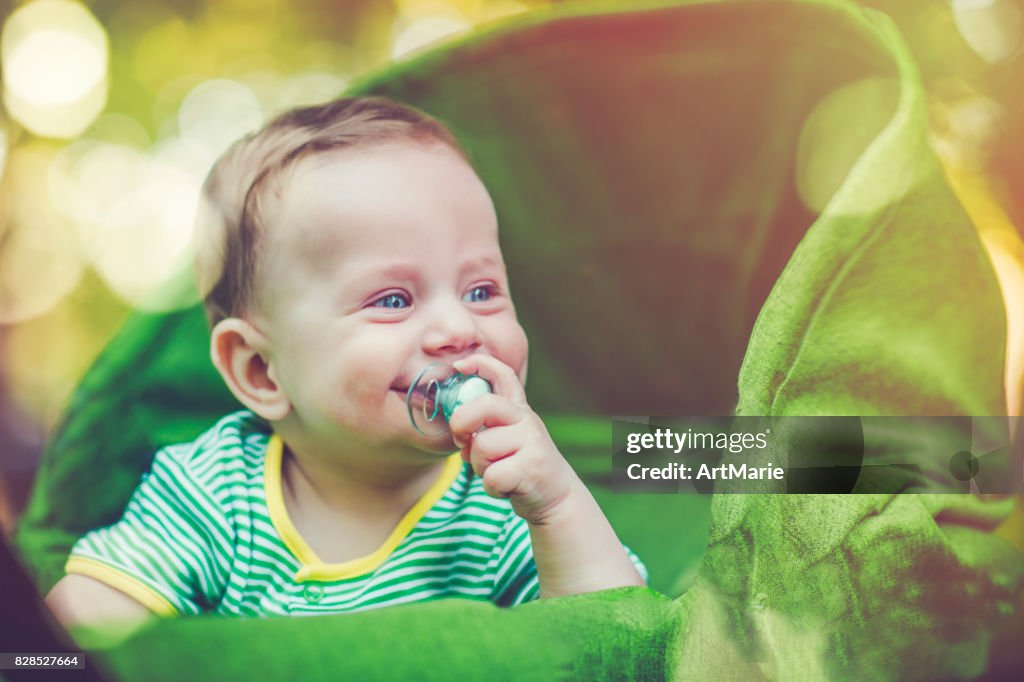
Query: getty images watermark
{"type": "Point", "coordinates": [982, 455]}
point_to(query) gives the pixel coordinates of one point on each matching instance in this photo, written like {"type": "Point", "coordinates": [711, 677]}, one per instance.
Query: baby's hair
{"type": "Point", "coordinates": [229, 229]}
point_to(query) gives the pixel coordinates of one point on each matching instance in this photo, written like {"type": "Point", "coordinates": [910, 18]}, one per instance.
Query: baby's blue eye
{"type": "Point", "coordinates": [478, 294]}
{"type": "Point", "coordinates": [392, 301]}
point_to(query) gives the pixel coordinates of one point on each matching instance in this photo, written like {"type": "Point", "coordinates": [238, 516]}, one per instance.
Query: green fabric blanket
{"type": "Point", "coordinates": [692, 198]}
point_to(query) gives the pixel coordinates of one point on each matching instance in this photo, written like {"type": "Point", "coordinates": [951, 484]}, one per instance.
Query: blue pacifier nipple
{"type": "Point", "coordinates": [436, 392]}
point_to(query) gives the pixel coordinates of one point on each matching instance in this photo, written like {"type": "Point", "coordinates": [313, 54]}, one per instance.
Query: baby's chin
{"type": "Point", "coordinates": [441, 446]}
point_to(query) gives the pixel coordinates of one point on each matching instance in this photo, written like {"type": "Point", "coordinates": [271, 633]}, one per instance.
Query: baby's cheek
{"type": "Point", "coordinates": [522, 372]}
{"type": "Point", "coordinates": [516, 351]}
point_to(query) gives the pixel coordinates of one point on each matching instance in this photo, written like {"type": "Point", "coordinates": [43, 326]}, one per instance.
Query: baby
{"type": "Point", "coordinates": [343, 248]}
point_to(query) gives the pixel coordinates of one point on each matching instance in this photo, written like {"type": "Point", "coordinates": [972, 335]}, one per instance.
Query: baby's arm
{"type": "Point", "coordinates": [576, 549]}
{"type": "Point", "coordinates": [574, 546]}
{"type": "Point", "coordinates": [166, 556]}
{"type": "Point", "coordinates": [102, 614]}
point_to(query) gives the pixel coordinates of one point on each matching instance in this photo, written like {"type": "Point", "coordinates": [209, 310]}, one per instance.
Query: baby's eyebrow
{"type": "Point", "coordinates": [391, 271]}
{"type": "Point", "coordinates": [483, 263]}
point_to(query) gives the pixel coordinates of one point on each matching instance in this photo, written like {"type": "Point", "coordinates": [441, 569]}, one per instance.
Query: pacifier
{"type": "Point", "coordinates": [435, 393]}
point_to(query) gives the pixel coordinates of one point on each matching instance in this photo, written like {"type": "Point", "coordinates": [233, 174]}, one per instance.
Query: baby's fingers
{"type": "Point", "coordinates": [493, 445]}
{"type": "Point", "coordinates": [503, 478]}
{"type": "Point", "coordinates": [485, 411]}
{"type": "Point", "coordinates": [503, 379]}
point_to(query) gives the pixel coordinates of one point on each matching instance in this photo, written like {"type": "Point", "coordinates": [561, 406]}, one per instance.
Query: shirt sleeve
{"type": "Point", "coordinates": [170, 549]}
{"type": "Point", "coordinates": [516, 580]}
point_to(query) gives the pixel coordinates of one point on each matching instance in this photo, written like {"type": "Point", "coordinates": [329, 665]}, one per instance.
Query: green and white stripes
{"type": "Point", "coordinates": [207, 530]}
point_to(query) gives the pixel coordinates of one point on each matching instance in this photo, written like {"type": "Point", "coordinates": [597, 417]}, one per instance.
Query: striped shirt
{"type": "Point", "coordinates": [207, 531]}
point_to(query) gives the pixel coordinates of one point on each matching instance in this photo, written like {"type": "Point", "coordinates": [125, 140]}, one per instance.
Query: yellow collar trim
{"type": "Point", "coordinates": [312, 567]}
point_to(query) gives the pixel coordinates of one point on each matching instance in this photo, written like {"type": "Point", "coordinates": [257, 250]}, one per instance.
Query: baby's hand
{"type": "Point", "coordinates": [574, 546]}
{"type": "Point", "coordinates": [508, 444]}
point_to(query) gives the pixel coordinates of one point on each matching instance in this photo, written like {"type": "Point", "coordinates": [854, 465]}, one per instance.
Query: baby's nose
{"type": "Point", "coordinates": [453, 330]}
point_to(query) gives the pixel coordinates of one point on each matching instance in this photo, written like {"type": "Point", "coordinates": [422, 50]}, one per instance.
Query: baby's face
{"type": "Point", "coordinates": [379, 261]}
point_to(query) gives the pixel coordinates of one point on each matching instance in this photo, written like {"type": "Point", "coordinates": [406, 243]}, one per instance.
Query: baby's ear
{"type": "Point", "coordinates": [240, 353]}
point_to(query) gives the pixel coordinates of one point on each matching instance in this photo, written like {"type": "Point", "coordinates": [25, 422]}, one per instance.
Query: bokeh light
{"type": "Point", "coordinates": [964, 128]}
{"type": "Point", "coordinates": [54, 67]}
{"type": "Point", "coordinates": [422, 24]}
{"type": "Point", "coordinates": [993, 28]}
{"type": "Point", "coordinates": [40, 260]}
{"type": "Point", "coordinates": [134, 210]}
{"type": "Point", "coordinates": [1004, 248]}
{"type": "Point", "coordinates": [836, 134]}
{"type": "Point", "coordinates": [217, 112]}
